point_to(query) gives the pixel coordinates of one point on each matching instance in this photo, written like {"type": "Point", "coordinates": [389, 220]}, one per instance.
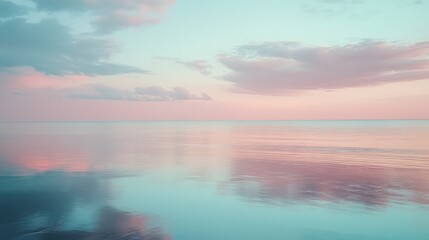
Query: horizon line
{"type": "Point", "coordinates": [213, 120]}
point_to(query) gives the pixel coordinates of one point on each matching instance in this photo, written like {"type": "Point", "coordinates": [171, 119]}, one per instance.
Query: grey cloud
{"type": "Point", "coordinates": [155, 93]}
{"type": "Point", "coordinates": [199, 65]}
{"type": "Point", "coordinates": [112, 15]}
{"type": "Point", "coordinates": [49, 47]}
{"type": "Point", "coordinates": [148, 94]}
{"type": "Point", "coordinates": [10, 9]}
{"type": "Point", "coordinates": [274, 67]}
{"type": "Point", "coordinates": [104, 92]}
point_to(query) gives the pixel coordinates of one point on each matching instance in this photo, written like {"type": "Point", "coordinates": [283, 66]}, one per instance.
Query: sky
{"type": "Point", "coordinates": [132, 60]}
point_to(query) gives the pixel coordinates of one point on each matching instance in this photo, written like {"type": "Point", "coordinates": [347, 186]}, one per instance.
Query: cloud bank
{"type": "Point", "coordinates": [273, 67]}
{"type": "Point", "coordinates": [10, 9]}
{"type": "Point", "coordinates": [147, 94]}
{"type": "Point", "coordinates": [111, 15]}
{"type": "Point", "coordinates": [50, 48]}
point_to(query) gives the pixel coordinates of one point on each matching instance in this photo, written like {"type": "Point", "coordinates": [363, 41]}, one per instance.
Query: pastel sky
{"type": "Point", "coordinates": [213, 60]}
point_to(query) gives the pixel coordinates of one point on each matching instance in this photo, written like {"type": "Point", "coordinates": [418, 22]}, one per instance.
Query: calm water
{"type": "Point", "coordinates": [215, 180]}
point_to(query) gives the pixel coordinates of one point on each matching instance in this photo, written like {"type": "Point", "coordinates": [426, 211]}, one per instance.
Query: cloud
{"type": "Point", "coordinates": [10, 9]}
{"type": "Point", "coordinates": [273, 67]}
{"type": "Point", "coordinates": [104, 92]}
{"type": "Point", "coordinates": [334, 7]}
{"type": "Point", "coordinates": [200, 66]}
{"type": "Point", "coordinates": [148, 94]}
{"type": "Point", "coordinates": [112, 15]}
{"type": "Point", "coordinates": [155, 93]}
{"type": "Point", "coordinates": [50, 48]}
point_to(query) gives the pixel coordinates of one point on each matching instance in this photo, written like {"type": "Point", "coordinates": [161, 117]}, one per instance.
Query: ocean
{"type": "Point", "coordinates": [215, 180]}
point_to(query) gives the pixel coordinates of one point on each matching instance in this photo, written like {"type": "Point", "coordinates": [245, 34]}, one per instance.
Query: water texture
{"type": "Point", "coordinates": [215, 180]}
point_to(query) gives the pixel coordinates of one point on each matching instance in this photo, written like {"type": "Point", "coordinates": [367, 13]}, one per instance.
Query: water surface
{"type": "Point", "coordinates": [215, 180]}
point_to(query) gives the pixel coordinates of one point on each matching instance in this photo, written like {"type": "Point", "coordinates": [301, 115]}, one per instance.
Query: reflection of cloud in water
{"type": "Point", "coordinates": [112, 224]}
{"type": "Point", "coordinates": [280, 181]}
{"type": "Point", "coordinates": [41, 207]}
{"type": "Point", "coordinates": [81, 147]}
{"type": "Point", "coordinates": [372, 163]}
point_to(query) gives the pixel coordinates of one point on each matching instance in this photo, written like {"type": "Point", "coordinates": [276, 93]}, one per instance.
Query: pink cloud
{"type": "Point", "coordinates": [274, 67]}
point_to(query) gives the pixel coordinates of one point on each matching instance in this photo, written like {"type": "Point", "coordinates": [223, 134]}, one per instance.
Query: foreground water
{"type": "Point", "coordinates": [215, 180]}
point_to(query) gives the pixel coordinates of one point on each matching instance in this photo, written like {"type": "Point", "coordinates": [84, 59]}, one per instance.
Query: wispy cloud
{"type": "Point", "coordinates": [111, 15]}
{"type": "Point", "coordinates": [200, 66]}
{"type": "Point", "coordinates": [148, 94]}
{"type": "Point", "coordinates": [273, 67]}
{"type": "Point", "coordinates": [333, 7]}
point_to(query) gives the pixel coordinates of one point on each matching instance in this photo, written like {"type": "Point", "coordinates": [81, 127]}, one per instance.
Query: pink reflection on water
{"type": "Point", "coordinates": [369, 166]}
{"type": "Point", "coordinates": [119, 148]}
{"type": "Point", "coordinates": [283, 181]}
{"type": "Point", "coordinates": [372, 164]}
{"type": "Point", "coordinates": [40, 163]}
{"type": "Point", "coordinates": [39, 153]}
